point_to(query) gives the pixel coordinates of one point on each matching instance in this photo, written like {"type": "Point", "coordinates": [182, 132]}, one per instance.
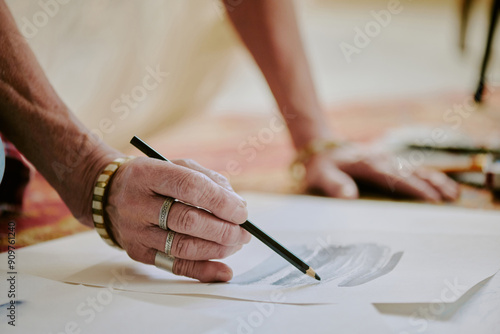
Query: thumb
{"type": "Point", "coordinates": [335, 183]}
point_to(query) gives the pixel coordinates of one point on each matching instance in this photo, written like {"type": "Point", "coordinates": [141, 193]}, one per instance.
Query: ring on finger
{"type": "Point", "coordinates": [163, 261]}
{"type": "Point", "coordinates": [165, 208]}
{"type": "Point", "coordinates": [168, 242]}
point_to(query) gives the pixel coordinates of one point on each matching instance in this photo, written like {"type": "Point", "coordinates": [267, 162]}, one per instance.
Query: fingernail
{"type": "Point", "coordinates": [240, 214]}
{"type": "Point", "coordinates": [349, 191]}
{"type": "Point", "coordinates": [223, 276]}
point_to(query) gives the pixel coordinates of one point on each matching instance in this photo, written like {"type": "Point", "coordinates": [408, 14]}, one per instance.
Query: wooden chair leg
{"type": "Point", "coordinates": [495, 10]}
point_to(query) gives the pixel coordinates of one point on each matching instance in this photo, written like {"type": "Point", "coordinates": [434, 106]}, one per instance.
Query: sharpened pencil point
{"type": "Point", "coordinates": [312, 273]}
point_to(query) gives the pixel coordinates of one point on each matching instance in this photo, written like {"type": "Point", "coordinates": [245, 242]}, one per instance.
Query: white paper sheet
{"type": "Point", "coordinates": [478, 311]}
{"type": "Point", "coordinates": [255, 317]}
{"type": "Point", "coordinates": [387, 253]}
{"type": "Point", "coordinates": [46, 306]}
{"type": "Point", "coordinates": [424, 266]}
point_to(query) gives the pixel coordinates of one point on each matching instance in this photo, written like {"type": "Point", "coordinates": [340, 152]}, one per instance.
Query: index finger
{"type": "Point", "coordinates": [194, 188]}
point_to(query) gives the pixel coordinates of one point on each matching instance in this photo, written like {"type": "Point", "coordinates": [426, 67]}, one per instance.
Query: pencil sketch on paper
{"type": "Point", "coordinates": [352, 265]}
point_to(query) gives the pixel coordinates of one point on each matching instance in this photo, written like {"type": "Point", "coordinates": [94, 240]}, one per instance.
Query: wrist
{"type": "Point", "coordinates": [102, 223]}
{"type": "Point", "coordinates": [307, 153]}
{"type": "Point", "coordinates": [96, 161]}
{"type": "Point", "coordinates": [307, 127]}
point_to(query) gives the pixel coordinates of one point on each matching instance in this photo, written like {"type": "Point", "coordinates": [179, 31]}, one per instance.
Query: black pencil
{"type": "Point", "coordinates": [247, 225]}
{"type": "Point", "coordinates": [470, 150]}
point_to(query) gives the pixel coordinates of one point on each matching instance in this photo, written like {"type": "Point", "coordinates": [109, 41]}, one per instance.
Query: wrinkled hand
{"type": "Point", "coordinates": [333, 172]}
{"type": "Point", "coordinates": [136, 195]}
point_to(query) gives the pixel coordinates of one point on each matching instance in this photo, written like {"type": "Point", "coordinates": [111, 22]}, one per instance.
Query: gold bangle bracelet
{"type": "Point", "coordinates": [99, 201]}
{"type": "Point", "coordinates": [297, 168]}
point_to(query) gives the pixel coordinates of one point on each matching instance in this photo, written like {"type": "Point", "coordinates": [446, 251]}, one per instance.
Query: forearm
{"type": "Point", "coordinates": [35, 119]}
{"type": "Point", "coordinates": [270, 32]}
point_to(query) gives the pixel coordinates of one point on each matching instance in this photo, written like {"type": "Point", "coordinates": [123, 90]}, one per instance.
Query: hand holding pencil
{"type": "Point", "coordinates": [137, 195]}
{"type": "Point", "coordinates": [247, 225]}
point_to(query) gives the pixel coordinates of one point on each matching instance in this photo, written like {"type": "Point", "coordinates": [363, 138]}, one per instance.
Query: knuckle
{"type": "Point", "coordinates": [192, 184]}
{"type": "Point", "coordinates": [191, 163]}
{"type": "Point", "coordinates": [217, 202]}
{"type": "Point", "coordinates": [224, 252]}
{"type": "Point", "coordinates": [184, 246]}
{"type": "Point", "coordinates": [219, 177]}
{"type": "Point", "coordinates": [186, 183]}
{"type": "Point", "coordinates": [229, 234]}
{"type": "Point", "coordinates": [187, 220]}
{"type": "Point", "coordinates": [184, 268]}
{"type": "Point", "coordinates": [180, 162]}
{"type": "Point", "coordinates": [222, 177]}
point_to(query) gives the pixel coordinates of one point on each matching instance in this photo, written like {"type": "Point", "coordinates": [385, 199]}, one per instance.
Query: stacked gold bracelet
{"type": "Point", "coordinates": [99, 201]}
{"type": "Point", "coordinates": [297, 168]}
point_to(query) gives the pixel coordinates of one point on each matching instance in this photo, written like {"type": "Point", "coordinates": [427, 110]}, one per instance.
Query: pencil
{"type": "Point", "coordinates": [466, 150]}
{"type": "Point", "coordinates": [247, 225]}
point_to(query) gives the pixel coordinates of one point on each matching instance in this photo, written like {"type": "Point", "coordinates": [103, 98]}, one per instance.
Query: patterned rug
{"type": "Point", "coordinates": [254, 152]}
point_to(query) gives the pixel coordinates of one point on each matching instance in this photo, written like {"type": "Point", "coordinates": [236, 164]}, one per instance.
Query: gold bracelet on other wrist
{"type": "Point", "coordinates": [297, 168]}
{"type": "Point", "coordinates": [99, 201]}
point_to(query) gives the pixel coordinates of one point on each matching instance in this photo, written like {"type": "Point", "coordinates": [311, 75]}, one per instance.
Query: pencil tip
{"type": "Point", "coordinates": [312, 273]}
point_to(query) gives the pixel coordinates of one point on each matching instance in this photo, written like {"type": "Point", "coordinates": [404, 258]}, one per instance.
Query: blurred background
{"type": "Point", "coordinates": [95, 51]}
{"type": "Point", "coordinates": [175, 73]}
{"type": "Point", "coordinates": [417, 53]}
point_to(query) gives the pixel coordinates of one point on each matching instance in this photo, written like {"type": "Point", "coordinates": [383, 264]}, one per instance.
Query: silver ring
{"type": "Point", "coordinates": [168, 243]}
{"type": "Point", "coordinates": [165, 208]}
{"type": "Point", "coordinates": [163, 261]}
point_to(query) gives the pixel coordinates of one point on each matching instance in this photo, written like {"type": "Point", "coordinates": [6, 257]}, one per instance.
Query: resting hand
{"type": "Point", "coordinates": [136, 195]}
{"type": "Point", "coordinates": [333, 172]}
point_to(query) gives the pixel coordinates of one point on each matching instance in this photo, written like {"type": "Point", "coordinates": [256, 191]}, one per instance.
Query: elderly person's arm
{"type": "Point", "coordinates": [270, 32]}
{"type": "Point", "coordinates": [37, 121]}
